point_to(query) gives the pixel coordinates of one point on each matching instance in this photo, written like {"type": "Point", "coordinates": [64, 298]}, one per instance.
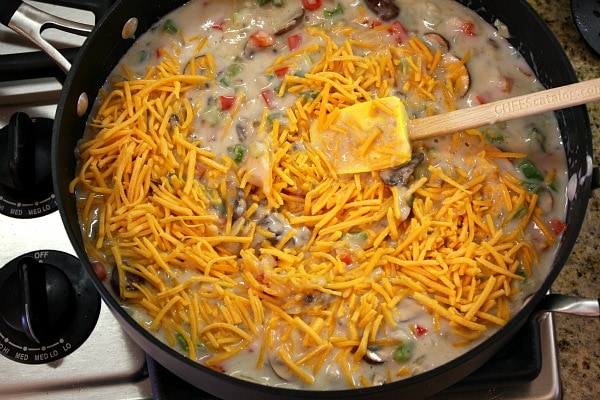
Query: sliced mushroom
{"type": "Point", "coordinates": [239, 204]}
{"type": "Point", "coordinates": [130, 280]}
{"type": "Point", "coordinates": [174, 121]}
{"type": "Point", "coordinates": [545, 201]}
{"type": "Point", "coordinates": [197, 63]}
{"type": "Point", "coordinates": [436, 40]}
{"type": "Point", "coordinates": [301, 238]}
{"type": "Point", "coordinates": [398, 176]}
{"type": "Point", "coordinates": [373, 357]}
{"type": "Point", "coordinates": [386, 10]}
{"type": "Point", "coordinates": [296, 18]}
{"type": "Point", "coordinates": [463, 84]}
{"type": "Point", "coordinates": [279, 367]}
{"type": "Point", "coordinates": [309, 298]}
{"type": "Point", "coordinates": [276, 224]}
{"type": "Point", "coordinates": [459, 73]}
{"type": "Point", "coordinates": [241, 130]}
{"type": "Point", "coordinates": [249, 50]}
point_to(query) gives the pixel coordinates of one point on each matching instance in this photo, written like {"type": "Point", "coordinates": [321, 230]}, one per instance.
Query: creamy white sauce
{"type": "Point", "coordinates": [496, 71]}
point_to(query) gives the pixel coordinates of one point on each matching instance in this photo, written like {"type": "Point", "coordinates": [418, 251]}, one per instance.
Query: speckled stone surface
{"type": "Point", "coordinates": [579, 338]}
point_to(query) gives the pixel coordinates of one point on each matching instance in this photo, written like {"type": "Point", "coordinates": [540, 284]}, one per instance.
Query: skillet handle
{"type": "Point", "coordinates": [569, 305]}
{"type": "Point", "coordinates": [30, 22]}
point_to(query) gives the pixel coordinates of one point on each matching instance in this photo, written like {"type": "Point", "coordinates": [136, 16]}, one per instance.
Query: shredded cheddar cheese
{"type": "Point", "coordinates": [159, 206]}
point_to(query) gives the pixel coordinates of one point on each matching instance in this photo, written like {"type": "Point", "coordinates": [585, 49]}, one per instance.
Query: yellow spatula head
{"type": "Point", "coordinates": [364, 137]}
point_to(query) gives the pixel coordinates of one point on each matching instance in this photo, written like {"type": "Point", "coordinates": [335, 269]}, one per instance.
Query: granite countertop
{"type": "Point", "coordinates": [578, 338]}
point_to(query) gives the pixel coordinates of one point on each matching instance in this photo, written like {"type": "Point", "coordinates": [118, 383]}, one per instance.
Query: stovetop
{"type": "Point", "coordinates": [108, 365]}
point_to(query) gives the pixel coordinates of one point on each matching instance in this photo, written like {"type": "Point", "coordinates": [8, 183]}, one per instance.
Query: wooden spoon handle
{"type": "Point", "coordinates": [504, 110]}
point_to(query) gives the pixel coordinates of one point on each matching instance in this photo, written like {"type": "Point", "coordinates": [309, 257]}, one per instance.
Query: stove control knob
{"type": "Point", "coordinates": [25, 154]}
{"type": "Point", "coordinates": [25, 168]}
{"type": "Point", "coordinates": [48, 307]}
{"type": "Point", "coordinates": [37, 299]}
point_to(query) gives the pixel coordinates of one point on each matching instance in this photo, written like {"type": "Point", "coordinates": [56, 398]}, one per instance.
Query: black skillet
{"type": "Point", "coordinates": [106, 45]}
{"type": "Point", "coordinates": [586, 14]}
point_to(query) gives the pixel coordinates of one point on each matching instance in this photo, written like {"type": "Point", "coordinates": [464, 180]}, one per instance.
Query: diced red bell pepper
{"type": "Point", "coordinates": [226, 102]}
{"type": "Point", "coordinates": [467, 27]}
{"type": "Point", "coordinates": [294, 41]}
{"type": "Point", "coordinates": [371, 23]}
{"type": "Point", "coordinates": [346, 257]}
{"type": "Point", "coordinates": [262, 39]}
{"type": "Point", "coordinates": [399, 32]}
{"type": "Point", "coordinates": [281, 72]}
{"type": "Point", "coordinates": [312, 5]}
{"type": "Point", "coordinates": [557, 226]}
{"type": "Point", "coordinates": [420, 330]}
{"type": "Point", "coordinates": [269, 98]}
